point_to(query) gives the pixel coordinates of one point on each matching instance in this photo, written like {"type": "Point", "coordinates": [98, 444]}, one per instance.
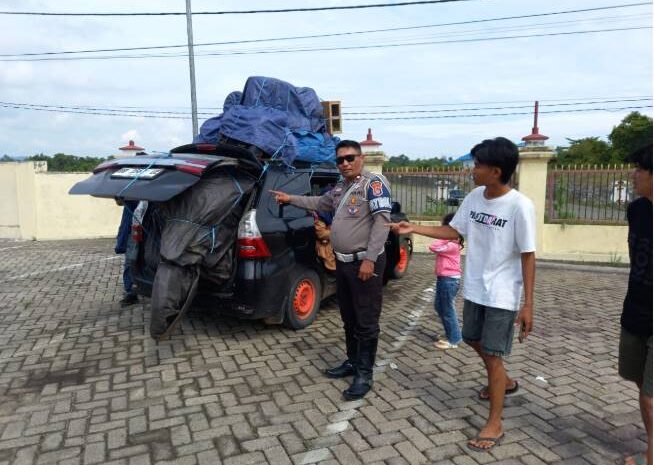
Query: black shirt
{"type": "Point", "coordinates": [637, 309]}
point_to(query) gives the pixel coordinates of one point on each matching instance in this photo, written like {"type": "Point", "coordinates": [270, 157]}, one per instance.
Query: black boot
{"type": "Point", "coordinates": [347, 367]}
{"type": "Point", "coordinates": [362, 382]}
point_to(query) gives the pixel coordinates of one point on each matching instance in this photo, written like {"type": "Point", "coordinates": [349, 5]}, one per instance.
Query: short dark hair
{"type": "Point", "coordinates": [349, 144]}
{"type": "Point", "coordinates": [642, 157]}
{"type": "Point", "coordinates": [499, 152]}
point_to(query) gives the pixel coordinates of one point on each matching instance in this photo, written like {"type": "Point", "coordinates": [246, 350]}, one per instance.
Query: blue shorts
{"type": "Point", "coordinates": [491, 327]}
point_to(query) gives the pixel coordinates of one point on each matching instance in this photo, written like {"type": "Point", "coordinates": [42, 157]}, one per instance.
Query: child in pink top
{"type": "Point", "coordinates": [448, 277]}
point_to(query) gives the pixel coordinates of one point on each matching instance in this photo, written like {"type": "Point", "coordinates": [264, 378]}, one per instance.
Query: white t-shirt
{"type": "Point", "coordinates": [497, 231]}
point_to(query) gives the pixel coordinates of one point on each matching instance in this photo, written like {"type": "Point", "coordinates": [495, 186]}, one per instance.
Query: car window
{"type": "Point", "coordinates": [292, 182]}
{"type": "Point", "coordinates": [323, 183]}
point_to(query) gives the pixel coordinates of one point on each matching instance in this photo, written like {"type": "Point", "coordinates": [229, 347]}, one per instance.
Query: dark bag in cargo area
{"type": "Point", "coordinates": [198, 237]}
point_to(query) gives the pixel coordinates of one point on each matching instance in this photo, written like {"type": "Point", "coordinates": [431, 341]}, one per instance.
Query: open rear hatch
{"type": "Point", "coordinates": [159, 178]}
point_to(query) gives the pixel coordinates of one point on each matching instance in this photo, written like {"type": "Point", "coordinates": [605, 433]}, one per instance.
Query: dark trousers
{"type": "Point", "coordinates": [360, 302]}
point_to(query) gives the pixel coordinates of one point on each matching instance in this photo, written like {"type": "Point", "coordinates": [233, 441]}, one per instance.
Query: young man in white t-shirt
{"type": "Point", "coordinates": [499, 226]}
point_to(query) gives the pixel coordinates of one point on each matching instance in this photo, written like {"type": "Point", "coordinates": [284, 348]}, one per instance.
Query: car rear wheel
{"type": "Point", "coordinates": [303, 299]}
{"type": "Point", "coordinates": [402, 264]}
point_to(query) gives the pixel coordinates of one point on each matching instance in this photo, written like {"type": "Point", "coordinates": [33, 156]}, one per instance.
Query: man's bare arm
{"type": "Point", "coordinates": [437, 232]}
{"type": "Point", "coordinates": [525, 318]}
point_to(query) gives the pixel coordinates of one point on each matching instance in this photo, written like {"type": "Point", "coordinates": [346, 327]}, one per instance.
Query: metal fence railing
{"type": "Point", "coordinates": [588, 194]}
{"type": "Point", "coordinates": [430, 193]}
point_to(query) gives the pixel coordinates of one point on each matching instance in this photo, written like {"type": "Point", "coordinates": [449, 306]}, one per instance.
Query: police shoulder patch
{"type": "Point", "coordinates": [377, 188]}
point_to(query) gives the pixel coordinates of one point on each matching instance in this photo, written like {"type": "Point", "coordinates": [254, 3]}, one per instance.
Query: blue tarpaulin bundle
{"type": "Point", "coordinates": [210, 129]}
{"type": "Point", "coordinates": [282, 120]}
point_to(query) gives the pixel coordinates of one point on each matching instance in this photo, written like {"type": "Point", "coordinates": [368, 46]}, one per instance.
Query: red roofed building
{"type": "Point", "coordinates": [370, 145]}
{"type": "Point", "coordinates": [129, 150]}
{"type": "Point", "coordinates": [375, 156]}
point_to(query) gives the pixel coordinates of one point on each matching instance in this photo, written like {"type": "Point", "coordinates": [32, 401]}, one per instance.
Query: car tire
{"type": "Point", "coordinates": [303, 300]}
{"type": "Point", "coordinates": [402, 264]}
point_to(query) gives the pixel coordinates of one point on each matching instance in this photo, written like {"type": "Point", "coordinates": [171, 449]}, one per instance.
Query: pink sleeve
{"type": "Point", "coordinates": [440, 245]}
{"type": "Point", "coordinates": [433, 246]}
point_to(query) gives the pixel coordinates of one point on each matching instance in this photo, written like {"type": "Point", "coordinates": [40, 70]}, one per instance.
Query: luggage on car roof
{"type": "Point", "coordinates": [284, 121]}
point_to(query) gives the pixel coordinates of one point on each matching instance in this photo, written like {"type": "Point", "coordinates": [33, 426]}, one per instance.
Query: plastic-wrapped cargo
{"type": "Point", "coordinates": [198, 236]}
{"type": "Point", "coordinates": [210, 129]}
{"type": "Point", "coordinates": [282, 120]}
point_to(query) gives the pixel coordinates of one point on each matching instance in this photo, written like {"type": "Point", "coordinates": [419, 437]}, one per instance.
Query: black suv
{"type": "Point", "coordinates": [277, 275]}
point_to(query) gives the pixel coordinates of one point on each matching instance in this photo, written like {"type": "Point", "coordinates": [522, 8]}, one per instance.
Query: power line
{"type": "Point", "coordinates": [153, 113]}
{"type": "Point", "coordinates": [449, 110]}
{"type": "Point", "coordinates": [494, 102]}
{"type": "Point", "coordinates": [374, 118]}
{"type": "Point", "coordinates": [580, 110]}
{"type": "Point", "coordinates": [335, 48]}
{"type": "Point", "coordinates": [453, 41]}
{"type": "Point", "coordinates": [110, 110]}
{"type": "Point", "coordinates": [587, 100]}
{"type": "Point", "coordinates": [336, 34]}
{"type": "Point", "coordinates": [237, 12]}
{"type": "Point", "coordinates": [53, 110]}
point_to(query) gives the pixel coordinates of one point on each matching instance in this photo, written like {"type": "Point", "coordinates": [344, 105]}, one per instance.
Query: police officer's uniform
{"type": "Point", "coordinates": [359, 230]}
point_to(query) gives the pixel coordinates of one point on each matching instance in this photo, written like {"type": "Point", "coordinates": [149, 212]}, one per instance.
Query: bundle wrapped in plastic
{"type": "Point", "coordinates": [198, 233]}
{"type": "Point", "coordinates": [282, 120]}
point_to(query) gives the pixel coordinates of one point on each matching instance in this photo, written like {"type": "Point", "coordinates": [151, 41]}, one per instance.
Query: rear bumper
{"type": "Point", "coordinates": [260, 289]}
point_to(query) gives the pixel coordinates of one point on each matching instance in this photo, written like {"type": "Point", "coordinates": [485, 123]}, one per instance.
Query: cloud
{"type": "Point", "coordinates": [16, 74]}
{"type": "Point", "coordinates": [132, 134]}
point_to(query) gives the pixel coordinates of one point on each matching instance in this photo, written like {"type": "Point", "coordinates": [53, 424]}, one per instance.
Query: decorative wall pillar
{"type": "Point", "coordinates": [374, 155]}
{"type": "Point", "coordinates": [532, 182]}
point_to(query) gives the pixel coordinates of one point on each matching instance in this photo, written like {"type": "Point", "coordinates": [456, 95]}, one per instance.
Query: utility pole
{"type": "Point", "coordinates": [191, 66]}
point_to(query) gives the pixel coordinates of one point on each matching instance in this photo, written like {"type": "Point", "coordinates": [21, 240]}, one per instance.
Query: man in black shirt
{"type": "Point", "coordinates": [635, 359]}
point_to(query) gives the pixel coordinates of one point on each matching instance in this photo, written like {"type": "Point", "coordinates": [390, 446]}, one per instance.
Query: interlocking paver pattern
{"type": "Point", "coordinates": [81, 382]}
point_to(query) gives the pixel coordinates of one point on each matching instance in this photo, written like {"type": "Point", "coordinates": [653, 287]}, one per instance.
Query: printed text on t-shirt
{"type": "Point", "coordinates": [487, 219]}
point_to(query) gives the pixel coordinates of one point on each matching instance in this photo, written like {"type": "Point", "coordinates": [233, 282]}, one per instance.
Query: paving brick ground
{"type": "Point", "coordinates": [82, 383]}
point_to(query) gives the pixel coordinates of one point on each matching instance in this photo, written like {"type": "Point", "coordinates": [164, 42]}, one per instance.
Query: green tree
{"type": "Point", "coordinates": [403, 160]}
{"type": "Point", "coordinates": [398, 160]}
{"type": "Point", "coordinates": [61, 162]}
{"type": "Point", "coordinates": [589, 150]}
{"type": "Point", "coordinates": [633, 132]}
{"type": "Point", "coordinates": [6, 157]}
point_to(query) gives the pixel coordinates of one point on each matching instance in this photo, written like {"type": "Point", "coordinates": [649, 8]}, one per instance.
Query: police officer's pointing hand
{"type": "Point", "coordinates": [281, 197]}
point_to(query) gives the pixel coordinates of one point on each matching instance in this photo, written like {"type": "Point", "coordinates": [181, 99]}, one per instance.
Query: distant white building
{"type": "Point", "coordinates": [621, 191]}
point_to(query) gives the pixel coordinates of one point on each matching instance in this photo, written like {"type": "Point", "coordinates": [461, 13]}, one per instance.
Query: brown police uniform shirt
{"type": "Point", "coordinates": [362, 210]}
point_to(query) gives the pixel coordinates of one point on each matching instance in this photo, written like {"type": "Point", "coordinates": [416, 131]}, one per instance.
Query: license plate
{"type": "Point", "coordinates": [149, 173]}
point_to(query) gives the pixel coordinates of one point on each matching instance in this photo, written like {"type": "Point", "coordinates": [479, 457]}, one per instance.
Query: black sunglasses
{"type": "Point", "coordinates": [343, 159]}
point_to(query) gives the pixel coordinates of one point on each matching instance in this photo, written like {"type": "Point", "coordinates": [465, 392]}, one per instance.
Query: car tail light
{"type": "Point", "coordinates": [191, 169]}
{"type": "Point", "coordinates": [250, 243]}
{"type": "Point", "coordinates": [194, 167]}
{"type": "Point", "coordinates": [104, 166]}
{"type": "Point", "coordinates": [205, 148]}
{"type": "Point", "coordinates": [137, 233]}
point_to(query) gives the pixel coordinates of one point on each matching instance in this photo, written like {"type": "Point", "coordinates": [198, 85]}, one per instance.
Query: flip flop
{"type": "Point", "coordinates": [494, 442]}
{"type": "Point", "coordinates": [638, 459]}
{"type": "Point", "coordinates": [483, 394]}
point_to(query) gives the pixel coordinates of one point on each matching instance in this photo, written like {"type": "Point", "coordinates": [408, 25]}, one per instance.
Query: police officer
{"type": "Point", "coordinates": [361, 203]}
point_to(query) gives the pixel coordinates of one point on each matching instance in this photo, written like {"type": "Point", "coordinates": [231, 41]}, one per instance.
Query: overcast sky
{"type": "Point", "coordinates": [455, 76]}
